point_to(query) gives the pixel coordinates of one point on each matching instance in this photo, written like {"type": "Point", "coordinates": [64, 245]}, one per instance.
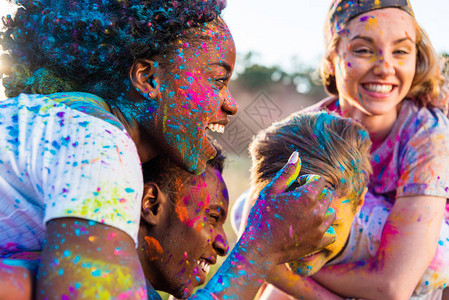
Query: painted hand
{"type": "Point", "coordinates": [283, 226]}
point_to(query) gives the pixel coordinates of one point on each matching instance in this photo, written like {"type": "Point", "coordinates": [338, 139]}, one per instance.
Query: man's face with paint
{"type": "Point", "coordinates": [189, 235]}
{"type": "Point", "coordinates": [345, 212]}
{"type": "Point", "coordinates": [194, 96]}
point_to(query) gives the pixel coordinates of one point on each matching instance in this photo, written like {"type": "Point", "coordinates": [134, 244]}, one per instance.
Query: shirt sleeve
{"type": "Point", "coordinates": [424, 165]}
{"type": "Point", "coordinates": [87, 168]}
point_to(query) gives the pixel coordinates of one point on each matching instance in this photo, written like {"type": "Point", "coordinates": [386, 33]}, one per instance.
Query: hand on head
{"type": "Point", "coordinates": [287, 225]}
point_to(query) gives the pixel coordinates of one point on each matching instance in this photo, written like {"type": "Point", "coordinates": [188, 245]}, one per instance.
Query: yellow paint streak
{"type": "Point", "coordinates": [372, 22]}
{"type": "Point", "coordinates": [99, 280]}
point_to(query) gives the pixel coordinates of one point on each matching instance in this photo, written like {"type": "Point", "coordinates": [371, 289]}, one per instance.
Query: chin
{"type": "Point", "coordinates": [198, 165]}
{"type": "Point", "coordinates": [183, 292]}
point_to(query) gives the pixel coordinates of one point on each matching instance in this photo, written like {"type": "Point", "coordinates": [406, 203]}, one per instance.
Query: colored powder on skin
{"type": "Point", "coordinates": [372, 21]}
{"type": "Point", "coordinates": [154, 247]}
{"type": "Point", "coordinates": [103, 283]}
{"type": "Point", "coordinates": [182, 213]}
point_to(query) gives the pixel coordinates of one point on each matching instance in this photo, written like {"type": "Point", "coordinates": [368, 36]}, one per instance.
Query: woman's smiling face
{"type": "Point", "coordinates": [375, 61]}
{"type": "Point", "coordinates": [194, 96]}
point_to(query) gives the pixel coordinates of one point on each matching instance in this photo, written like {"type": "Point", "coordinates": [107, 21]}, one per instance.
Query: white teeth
{"type": "Point", "coordinates": [204, 265]}
{"type": "Point", "coordinates": [216, 128]}
{"type": "Point", "coordinates": [378, 88]}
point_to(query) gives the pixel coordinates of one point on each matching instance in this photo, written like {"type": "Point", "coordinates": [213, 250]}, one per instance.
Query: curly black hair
{"type": "Point", "coordinates": [89, 45]}
{"type": "Point", "coordinates": [171, 178]}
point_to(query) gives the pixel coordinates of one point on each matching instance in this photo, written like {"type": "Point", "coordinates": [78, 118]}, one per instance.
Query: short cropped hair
{"type": "Point", "coordinates": [171, 178]}
{"type": "Point", "coordinates": [333, 147]}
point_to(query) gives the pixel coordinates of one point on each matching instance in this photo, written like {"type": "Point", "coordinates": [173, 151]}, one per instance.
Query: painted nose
{"type": "Point", "coordinates": [221, 245]}
{"type": "Point", "coordinates": [229, 104]}
{"type": "Point", "coordinates": [383, 67]}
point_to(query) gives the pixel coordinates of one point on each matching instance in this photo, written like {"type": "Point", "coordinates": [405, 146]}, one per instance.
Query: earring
{"type": "Point", "coordinates": [151, 95]}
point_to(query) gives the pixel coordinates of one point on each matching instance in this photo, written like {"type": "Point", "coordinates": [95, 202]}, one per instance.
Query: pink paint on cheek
{"type": "Point", "coordinates": [204, 47]}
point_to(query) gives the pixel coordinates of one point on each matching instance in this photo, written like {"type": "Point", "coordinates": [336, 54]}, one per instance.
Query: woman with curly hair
{"type": "Point", "coordinates": [96, 88]}
{"type": "Point", "coordinates": [382, 71]}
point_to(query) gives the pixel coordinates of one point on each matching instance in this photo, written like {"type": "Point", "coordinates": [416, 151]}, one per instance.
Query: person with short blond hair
{"type": "Point", "coordinates": [381, 70]}
{"type": "Point", "coordinates": [331, 147]}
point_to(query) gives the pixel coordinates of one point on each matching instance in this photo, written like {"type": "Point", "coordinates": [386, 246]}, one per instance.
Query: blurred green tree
{"type": "Point", "coordinates": [254, 76]}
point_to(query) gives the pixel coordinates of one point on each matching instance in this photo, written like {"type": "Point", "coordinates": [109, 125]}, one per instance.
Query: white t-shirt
{"type": "Point", "coordinates": [56, 161]}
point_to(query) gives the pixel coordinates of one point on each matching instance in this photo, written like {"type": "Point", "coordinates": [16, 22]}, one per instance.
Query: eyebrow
{"type": "Point", "coordinates": [368, 39]}
{"type": "Point", "coordinates": [223, 64]}
{"type": "Point", "coordinates": [218, 208]}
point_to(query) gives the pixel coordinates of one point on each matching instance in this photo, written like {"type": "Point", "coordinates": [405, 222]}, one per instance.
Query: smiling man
{"type": "Point", "coordinates": [181, 229]}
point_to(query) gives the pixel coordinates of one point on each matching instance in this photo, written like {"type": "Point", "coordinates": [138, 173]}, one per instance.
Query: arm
{"type": "Point", "coordinates": [407, 246]}
{"type": "Point", "coordinates": [86, 260]}
{"type": "Point", "coordinates": [275, 234]}
{"type": "Point", "coordinates": [16, 281]}
{"type": "Point", "coordinates": [296, 286]}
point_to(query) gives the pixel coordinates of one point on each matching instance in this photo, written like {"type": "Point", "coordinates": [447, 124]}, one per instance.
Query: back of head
{"type": "Point", "coordinates": [428, 87]}
{"type": "Point", "coordinates": [89, 46]}
{"type": "Point", "coordinates": [170, 177]}
{"type": "Point", "coordinates": [336, 148]}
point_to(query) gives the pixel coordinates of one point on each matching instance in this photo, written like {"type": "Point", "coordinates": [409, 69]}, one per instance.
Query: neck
{"type": "Point", "coordinates": [138, 134]}
{"type": "Point", "coordinates": [378, 126]}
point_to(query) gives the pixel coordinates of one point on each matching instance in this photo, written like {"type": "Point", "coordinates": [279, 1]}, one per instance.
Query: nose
{"type": "Point", "coordinates": [220, 244]}
{"type": "Point", "coordinates": [229, 104]}
{"type": "Point", "coordinates": [383, 67]}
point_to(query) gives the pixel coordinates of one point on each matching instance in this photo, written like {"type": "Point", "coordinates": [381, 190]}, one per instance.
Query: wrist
{"type": "Point", "coordinates": [254, 255]}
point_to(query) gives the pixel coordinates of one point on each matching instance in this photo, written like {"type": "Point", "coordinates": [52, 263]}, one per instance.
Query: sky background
{"type": "Point", "coordinates": [281, 29]}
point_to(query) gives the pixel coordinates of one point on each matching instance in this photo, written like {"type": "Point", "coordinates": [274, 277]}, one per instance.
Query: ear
{"type": "Point", "coordinates": [154, 204]}
{"type": "Point", "coordinates": [145, 78]}
{"type": "Point", "coordinates": [361, 200]}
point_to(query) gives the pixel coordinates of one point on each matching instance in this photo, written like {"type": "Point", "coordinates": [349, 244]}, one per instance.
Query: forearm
{"type": "Point", "coordinates": [407, 246]}
{"type": "Point", "coordinates": [354, 280]}
{"type": "Point", "coordinates": [87, 260]}
{"type": "Point", "coordinates": [297, 286]}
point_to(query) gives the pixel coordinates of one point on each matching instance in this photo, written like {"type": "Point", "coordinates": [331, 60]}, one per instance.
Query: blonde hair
{"type": "Point", "coordinates": [336, 148]}
{"type": "Point", "coordinates": [429, 86]}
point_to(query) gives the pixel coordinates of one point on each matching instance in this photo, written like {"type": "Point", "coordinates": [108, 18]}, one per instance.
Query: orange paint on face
{"type": "Point", "coordinates": [154, 247]}
{"type": "Point", "coordinates": [182, 212]}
